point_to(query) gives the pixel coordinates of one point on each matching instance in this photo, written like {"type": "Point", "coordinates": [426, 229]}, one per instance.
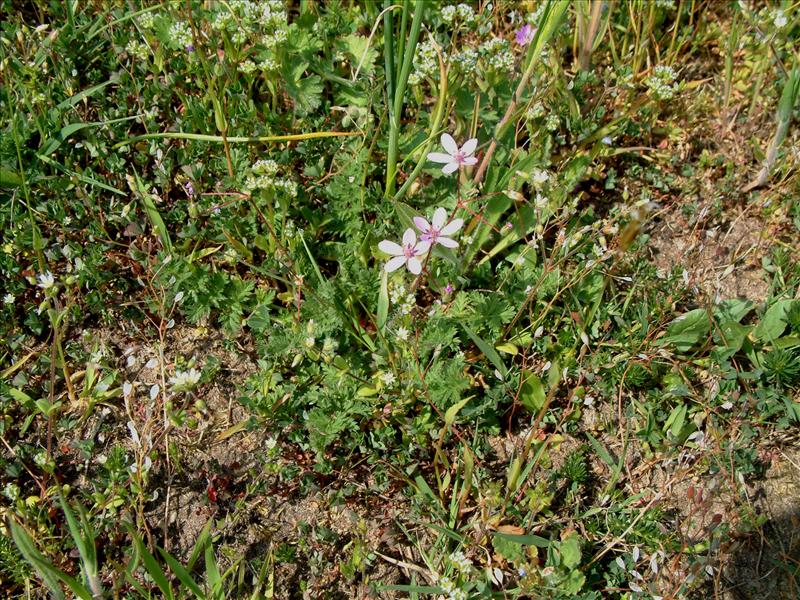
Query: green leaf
{"type": "Point", "coordinates": [212, 572]}
{"type": "Point", "coordinates": [532, 394]}
{"type": "Point", "coordinates": [687, 330]}
{"type": "Point", "coordinates": [601, 451]}
{"type": "Point", "coordinates": [182, 574]}
{"type": "Point", "coordinates": [383, 300]}
{"type": "Point", "coordinates": [487, 350]}
{"type": "Point", "coordinates": [49, 573]}
{"type": "Point", "coordinates": [570, 549]}
{"type": "Point", "coordinates": [676, 420]}
{"type": "Point", "coordinates": [452, 412]}
{"type": "Point", "coordinates": [773, 323]}
{"type": "Point", "coordinates": [259, 320]}
{"type": "Point", "coordinates": [151, 565]}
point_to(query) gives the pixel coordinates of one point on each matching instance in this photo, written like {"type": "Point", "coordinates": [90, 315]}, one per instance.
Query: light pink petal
{"type": "Point", "coordinates": [469, 146]}
{"type": "Point", "coordinates": [439, 157]}
{"type": "Point", "coordinates": [439, 218]}
{"type": "Point", "coordinates": [470, 160]}
{"type": "Point", "coordinates": [447, 242]}
{"type": "Point", "coordinates": [414, 266]}
{"type": "Point", "coordinates": [450, 168]}
{"type": "Point", "coordinates": [390, 247]}
{"type": "Point", "coordinates": [409, 237]}
{"type": "Point", "coordinates": [422, 224]}
{"type": "Point", "coordinates": [449, 144]}
{"type": "Point", "coordinates": [422, 247]}
{"type": "Point", "coordinates": [451, 227]}
{"type": "Point", "coordinates": [395, 263]}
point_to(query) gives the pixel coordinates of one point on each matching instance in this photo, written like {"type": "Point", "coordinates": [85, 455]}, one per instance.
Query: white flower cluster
{"type": "Point", "coordinates": [462, 12]}
{"type": "Point", "coordinates": [181, 35]}
{"type": "Point", "coordinates": [535, 112]}
{"type": "Point", "coordinates": [461, 562]}
{"type": "Point", "coordinates": [466, 61]}
{"type": "Point", "coordinates": [146, 20]}
{"type": "Point", "coordinates": [241, 18]}
{"type": "Point", "coordinates": [660, 82]}
{"type": "Point", "coordinates": [264, 177]}
{"type": "Point", "coordinates": [405, 302]}
{"type": "Point", "coordinates": [426, 62]}
{"type": "Point", "coordinates": [137, 49]}
{"type": "Point", "coordinates": [497, 54]}
{"type": "Point", "coordinates": [779, 18]}
{"type": "Point", "coordinates": [450, 588]}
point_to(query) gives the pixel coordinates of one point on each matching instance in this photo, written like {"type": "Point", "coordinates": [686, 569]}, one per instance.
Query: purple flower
{"type": "Point", "coordinates": [189, 189]}
{"type": "Point", "coordinates": [190, 48]}
{"type": "Point", "coordinates": [408, 254]}
{"type": "Point", "coordinates": [456, 157]}
{"type": "Point", "coordinates": [525, 34]}
{"type": "Point", "coordinates": [448, 289]}
{"type": "Point", "coordinates": [438, 230]}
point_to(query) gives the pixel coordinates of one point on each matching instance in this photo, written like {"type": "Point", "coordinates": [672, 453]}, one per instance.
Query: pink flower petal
{"type": "Point", "coordinates": [409, 237]}
{"type": "Point", "coordinates": [469, 146]}
{"type": "Point", "coordinates": [447, 242]}
{"type": "Point", "coordinates": [470, 160]}
{"type": "Point", "coordinates": [414, 266]}
{"type": "Point", "coordinates": [390, 247]}
{"type": "Point", "coordinates": [449, 144]}
{"type": "Point", "coordinates": [451, 227]}
{"type": "Point", "coordinates": [450, 168]}
{"type": "Point", "coordinates": [422, 247]}
{"type": "Point", "coordinates": [439, 157]}
{"type": "Point", "coordinates": [439, 218]}
{"type": "Point", "coordinates": [422, 224]}
{"type": "Point", "coordinates": [394, 263]}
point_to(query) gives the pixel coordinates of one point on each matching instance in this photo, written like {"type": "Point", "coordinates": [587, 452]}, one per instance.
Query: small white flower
{"type": "Point", "coordinates": [456, 157]}
{"type": "Point", "coordinates": [408, 254]}
{"type": "Point", "coordinates": [8, 299]}
{"type": "Point", "coordinates": [184, 380]}
{"type": "Point", "coordinates": [45, 280]}
{"type": "Point", "coordinates": [388, 378]}
{"type": "Point", "coordinates": [402, 334]}
{"type": "Point", "coordinates": [438, 230]}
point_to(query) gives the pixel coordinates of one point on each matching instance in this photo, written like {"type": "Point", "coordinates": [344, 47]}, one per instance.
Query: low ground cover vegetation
{"type": "Point", "coordinates": [383, 300]}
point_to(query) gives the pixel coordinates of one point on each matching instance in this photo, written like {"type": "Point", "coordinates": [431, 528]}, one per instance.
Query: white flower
{"type": "Point", "coordinates": [45, 280]}
{"type": "Point", "coordinates": [456, 157]}
{"type": "Point", "coordinates": [184, 380]}
{"type": "Point", "coordinates": [407, 254]}
{"type": "Point", "coordinates": [388, 378]}
{"type": "Point", "coordinates": [437, 232]}
{"type": "Point", "coordinates": [8, 299]}
{"type": "Point", "coordinates": [402, 334]}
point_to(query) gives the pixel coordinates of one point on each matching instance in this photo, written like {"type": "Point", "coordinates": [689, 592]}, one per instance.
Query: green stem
{"type": "Point", "coordinates": [399, 93]}
{"type": "Point", "coordinates": [179, 135]}
{"type": "Point", "coordinates": [388, 49]}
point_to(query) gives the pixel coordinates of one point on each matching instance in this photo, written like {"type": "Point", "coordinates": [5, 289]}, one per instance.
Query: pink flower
{"type": "Point", "coordinates": [525, 34]}
{"type": "Point", "coordinates": [438, 230]}
{"type": "Point", "coordinates": [408, 254]}
{"type": "Point", "coordinates": [456, 157]}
